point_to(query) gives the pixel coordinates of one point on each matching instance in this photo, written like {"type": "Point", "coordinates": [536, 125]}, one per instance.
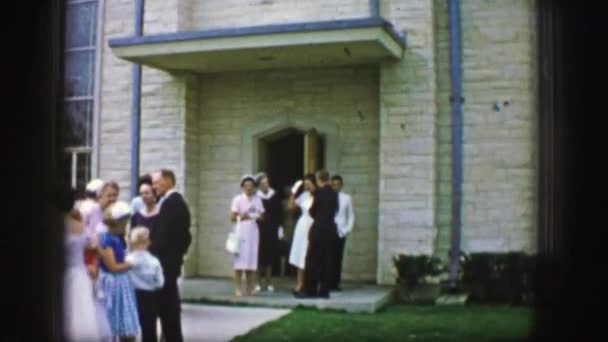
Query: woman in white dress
{"type": "Point", "coordinates": [299, 246]}
{"type": "Point", "coordinates": [79, 308]}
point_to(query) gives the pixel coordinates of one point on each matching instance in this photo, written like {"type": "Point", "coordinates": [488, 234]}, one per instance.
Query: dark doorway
{"type": "Point", "coordinates": [281, 156]}
{"type": "Point", "coordinates": [285, 158]}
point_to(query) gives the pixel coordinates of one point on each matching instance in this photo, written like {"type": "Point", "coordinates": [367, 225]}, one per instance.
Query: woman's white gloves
{"type": "Point", "coordinates": [296, 186]}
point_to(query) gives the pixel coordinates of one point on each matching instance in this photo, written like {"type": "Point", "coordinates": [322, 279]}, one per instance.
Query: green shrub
{"type": "Point", "coordinates": [506, 278]}
{"type": "Point", "coordinates": [418, 269]}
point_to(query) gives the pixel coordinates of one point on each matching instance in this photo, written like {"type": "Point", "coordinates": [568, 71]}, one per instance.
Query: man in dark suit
{"type": "Point", "coordinates": [170, 240]}
{"type": "Point", "coordinates": [322, 239]}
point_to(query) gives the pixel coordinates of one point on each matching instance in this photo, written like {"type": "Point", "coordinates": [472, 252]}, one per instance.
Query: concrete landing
{"type": "Point", "coordinates": [353, 297]}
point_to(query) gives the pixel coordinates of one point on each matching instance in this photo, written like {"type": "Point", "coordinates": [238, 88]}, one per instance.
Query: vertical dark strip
{"type": "Point", "coordinates": [55, 255]}
{"type": "Point", "coordinates": [549, 129]}
{"type": "Point", "coordinates": [568, 286]}
{"type": "Point", "coordinates": [456, 83]}
{"type": "Point", "coordinates": [548, 168]}
{"type": "Point", "coordinates": [136, 103]}
{"type": "Point", "coordinates": [32, 245]}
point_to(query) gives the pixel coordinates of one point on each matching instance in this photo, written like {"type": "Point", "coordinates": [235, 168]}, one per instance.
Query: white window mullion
{"type": "Point", "coordinates": [74, 168]}
{"type": "Point", "coordinates": [97, 90]}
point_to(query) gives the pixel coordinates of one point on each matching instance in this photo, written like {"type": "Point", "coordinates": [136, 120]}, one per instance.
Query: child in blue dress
{"type": "Point", "coordinates": [119, 295]}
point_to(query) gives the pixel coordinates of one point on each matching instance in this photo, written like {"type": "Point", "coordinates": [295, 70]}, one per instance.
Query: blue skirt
{"type": "Point", "coordinates": [121, 306]}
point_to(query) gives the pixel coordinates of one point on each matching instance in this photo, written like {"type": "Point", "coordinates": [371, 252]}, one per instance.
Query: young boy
{"type": "Point", "coordinates": [147, 278]}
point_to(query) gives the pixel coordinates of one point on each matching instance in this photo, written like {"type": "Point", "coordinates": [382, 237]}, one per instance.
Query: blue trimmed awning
{"type": "Point", "coordinates": [325, 43]}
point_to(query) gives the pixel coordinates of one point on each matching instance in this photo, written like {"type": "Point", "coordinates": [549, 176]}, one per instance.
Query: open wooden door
{"type": "Point", "coordinates": [311, 151]}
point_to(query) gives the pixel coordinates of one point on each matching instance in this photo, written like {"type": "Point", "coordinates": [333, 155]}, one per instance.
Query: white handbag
{"type": "Point", "coordinates": [232, 243]}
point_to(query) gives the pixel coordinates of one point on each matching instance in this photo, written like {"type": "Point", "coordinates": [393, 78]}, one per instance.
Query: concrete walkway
{"type": "Point", "coordinates": [355, 297]}
{"type": "Point", "coordinates": [219, 323]}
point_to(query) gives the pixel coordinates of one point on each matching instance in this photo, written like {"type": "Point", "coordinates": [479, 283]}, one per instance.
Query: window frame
{"type": "Point", "coordinates": [93, 151]}
{"type": "Point", "coordinates": [97, 89]}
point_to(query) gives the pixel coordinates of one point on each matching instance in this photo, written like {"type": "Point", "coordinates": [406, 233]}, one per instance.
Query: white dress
{"type": "Point", "coordinates": [299, 246]}
{"type": "Point", "coordinates": [80, 315]}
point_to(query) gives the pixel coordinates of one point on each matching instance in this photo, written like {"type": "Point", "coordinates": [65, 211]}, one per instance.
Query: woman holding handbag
{"type": "Point", "coordinates": [246, 208]}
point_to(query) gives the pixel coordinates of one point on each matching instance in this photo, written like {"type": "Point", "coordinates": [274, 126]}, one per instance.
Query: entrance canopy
{"type": "Point", "coordinates": [324, 43]}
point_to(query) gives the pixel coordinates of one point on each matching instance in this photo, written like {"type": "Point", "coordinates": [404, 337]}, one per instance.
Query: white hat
{"type": "Point", "coordinates": [260, 175]}
{"type": "Point", "coordinates": [247, 177]}
{"type": "Point", "coordinates": [120, 210]}
{"type": "Point", "coordinates": [94, 186]}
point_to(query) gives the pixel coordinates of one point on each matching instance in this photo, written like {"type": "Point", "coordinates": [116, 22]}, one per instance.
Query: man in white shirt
{"type": "Point", "coordinates": [345, 220]}
{"type": "Point", "coordinates": [147, 279]}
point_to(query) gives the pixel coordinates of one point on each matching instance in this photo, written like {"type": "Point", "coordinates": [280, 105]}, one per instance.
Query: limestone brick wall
{"type": "Point", "coordinates": [499, 63]}
{"type": "Point", "coordinates": [230, 103]}
{"type": "Point", "coordinates": [237, 13]}
{"type": "Point", "coordinates": [169, 113]}
{"type": "Point", "coordinates": [167, 16]}
{"type": "Point", "coordinates": [408, 139]}
{"type": "Point", "coordinates": [394, 124]}
{"type": "Point", "coordinates": [192, 168]}
{"type": "Point", "coordinates": [169, 137]}
{"type": "Point", "coordinates": [115, 97]}
{"type": "Point", "coordinates": [163, 104]}
{"type": "Point", "coordinates": [170, 120]}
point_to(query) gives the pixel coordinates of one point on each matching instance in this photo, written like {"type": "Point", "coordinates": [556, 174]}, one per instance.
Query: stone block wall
{"type": "Point", "coordinates": [396, 160]}
{"type": "Point", "coordinates": [230, 103]}
{"type": "Point", "coordinates": [115, 97]}
{"type": "Point", "coordinates": [499, 64]}
{"type": "Point", "coordinates": [237, 13]}
{"type": "Point", "coordinates": [408, 117]}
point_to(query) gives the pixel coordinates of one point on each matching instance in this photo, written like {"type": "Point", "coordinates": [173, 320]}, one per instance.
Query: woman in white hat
{"type": "Point", "coordinates": [246, 208]}
{"type": "Point", "coordinates": [92, 215]}
{"type": "Point", "coordinates": [90, 211]}
{"type": "Point", "coordinates": [302, 197]}
{"type": "Point", "coordinates": [117, 290]}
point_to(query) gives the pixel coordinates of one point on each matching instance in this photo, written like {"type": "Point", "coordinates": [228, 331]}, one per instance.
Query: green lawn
{"type": "Point", "coordinates": [398, 323]}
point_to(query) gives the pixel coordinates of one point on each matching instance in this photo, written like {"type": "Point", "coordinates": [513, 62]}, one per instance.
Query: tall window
{"type": "Point", "coordinates": [79, 88]}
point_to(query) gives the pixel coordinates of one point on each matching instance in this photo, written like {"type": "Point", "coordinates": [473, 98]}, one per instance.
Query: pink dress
{"type": "Point", "coordinates": [247, 258]}
{"type": "Point", "coordinates": [92, 215]}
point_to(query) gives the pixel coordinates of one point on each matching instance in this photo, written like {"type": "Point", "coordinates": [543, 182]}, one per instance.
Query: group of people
{"type": "Point", "coordinates": [123, 261]}
{"type": "Point", "coordinates": [316, 244]}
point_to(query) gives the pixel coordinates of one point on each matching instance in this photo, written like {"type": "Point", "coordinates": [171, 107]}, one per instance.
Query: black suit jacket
{"type": "Point", "coordinates": [323, 210]}
{"type": "Point", "coordinates": [171, 234]}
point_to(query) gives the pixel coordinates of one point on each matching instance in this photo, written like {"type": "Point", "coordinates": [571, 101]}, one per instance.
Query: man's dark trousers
{"type": "Point", "coordinates": [322, 237]}
{"type": "Point", "coordinates": [339, 254]}
{"type": "Point", "coordinates": [170, 311]}
{"type": "Point", "coordinates": [320, 267]}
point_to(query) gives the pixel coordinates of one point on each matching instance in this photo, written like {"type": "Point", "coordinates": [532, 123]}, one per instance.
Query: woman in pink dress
{"type": "Point", "coordinates": [248, 208]}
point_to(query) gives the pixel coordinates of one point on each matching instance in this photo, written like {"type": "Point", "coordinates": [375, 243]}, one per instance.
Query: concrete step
{"type": "Point", "coordinates": [354, 297]}
{"type": "Point", "coordinates": [452, 299]}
